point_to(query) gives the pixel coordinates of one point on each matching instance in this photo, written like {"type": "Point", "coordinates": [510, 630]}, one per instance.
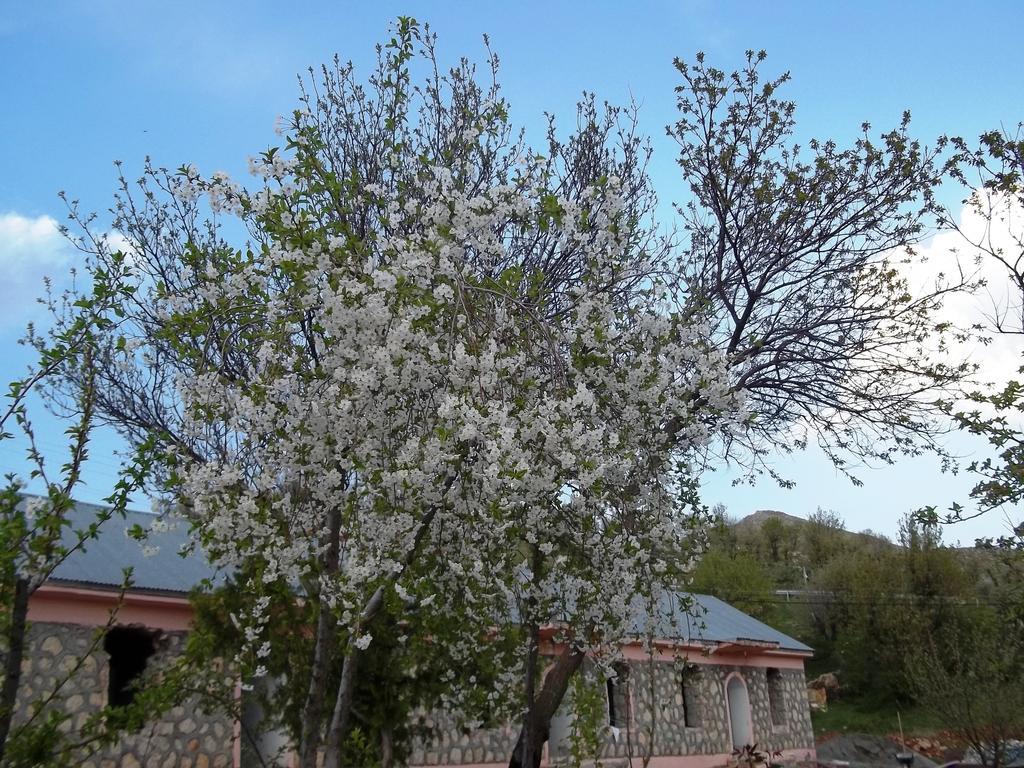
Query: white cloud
{"type": "Point", "coordinates": [116, 241]}
{"type": "Point", "coordinates": [22, 238]}
{"type": "Point", "coordinates": [1002, 355]}
{"type": "Point", "coordinates": [30, 249]}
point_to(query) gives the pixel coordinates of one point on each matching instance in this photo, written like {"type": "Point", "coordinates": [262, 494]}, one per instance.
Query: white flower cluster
{"type": "Point", "coordinates": [414, 385]}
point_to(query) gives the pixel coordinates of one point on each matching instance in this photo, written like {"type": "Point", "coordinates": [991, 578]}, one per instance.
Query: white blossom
{"type": "Point", "coordinates": [450, 423]}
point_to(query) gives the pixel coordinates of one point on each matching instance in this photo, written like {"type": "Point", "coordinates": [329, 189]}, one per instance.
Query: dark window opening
{"type": "Point", "coordinates": [129, 649]}
{"type": "Point", "coordinates": [776, 697]}
{"type": "Point", "coordinates": [617, 690]}
{"type": "Point", "coordinates": [690, 685]}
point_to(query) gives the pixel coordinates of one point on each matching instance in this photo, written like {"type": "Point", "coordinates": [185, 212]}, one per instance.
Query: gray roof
{"type": "Point", "coordinates": [711, 620]}
{"type": "Point", "coordinates": [156, 563]}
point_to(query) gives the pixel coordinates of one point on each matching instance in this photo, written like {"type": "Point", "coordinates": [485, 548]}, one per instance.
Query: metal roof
{"type": "Point", "coordinates": [156, 563]}
{"type": "Point", "coordinates": [711, 620]}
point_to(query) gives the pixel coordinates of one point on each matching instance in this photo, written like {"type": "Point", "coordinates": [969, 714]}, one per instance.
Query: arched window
{"type": "Point", "coordinates": [738, 702]}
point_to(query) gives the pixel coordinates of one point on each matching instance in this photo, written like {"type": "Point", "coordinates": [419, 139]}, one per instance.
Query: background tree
{"type": "Point", "coordinates": [970, 677]}
{"type": "Point", "coordinates": [993, 172]}
{"type": "Point", "coordinates": [739, 580]}
{"type": "Point", "coordinates": [794, 259]}
{"type": "Point", "coordinates": [36, 533]}
{"type": "Point", "coordinates": [874, 607]}
{"type": "Point", "coordinates": [822, 538]}
{"type": "Point", "coordinates": [720, 534]}
{"type": "Point", "coordinates": [860, 622]}
{"type": "Point", "coordinates": [773, 533]}
{"type": "Point", "coordinates": [930, 570]}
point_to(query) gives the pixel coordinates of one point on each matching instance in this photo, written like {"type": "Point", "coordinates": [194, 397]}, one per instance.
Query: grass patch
{"type": "Point", "coordinates": [863, 717]}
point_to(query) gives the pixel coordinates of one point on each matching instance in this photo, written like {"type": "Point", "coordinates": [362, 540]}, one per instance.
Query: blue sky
{"type": "Point", "coordinates": [85, 83]}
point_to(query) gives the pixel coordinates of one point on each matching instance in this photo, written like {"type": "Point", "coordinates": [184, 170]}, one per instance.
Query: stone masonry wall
{"type": "Point", "coordinates": [185, 738]}
{"type": "Point", "coordinates": [665, 712]}
{"type": "Point", "coordinates": [452, 745]}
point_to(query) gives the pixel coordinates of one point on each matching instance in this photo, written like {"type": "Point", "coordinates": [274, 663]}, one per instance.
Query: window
{"type": "Point", "coordinates": [129, 649]}
{"type": "Point", "coordinates": [617, 689]}
{"type": "Point", "coordinates": [738, 703]}
{"type": "Point", "coordinates": [776, 697]}
{"type": "Point", "coordinates": [689, 684]}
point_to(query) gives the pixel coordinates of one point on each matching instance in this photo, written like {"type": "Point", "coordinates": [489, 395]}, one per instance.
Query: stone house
{"type": "Point", "coordinates": [70, 651]}
{"type": "Point", "coordinates": [723, 680]}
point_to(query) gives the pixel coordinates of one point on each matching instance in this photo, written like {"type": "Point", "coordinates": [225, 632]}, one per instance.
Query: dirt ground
{"type": "Point", "coordinates": [861, 749]}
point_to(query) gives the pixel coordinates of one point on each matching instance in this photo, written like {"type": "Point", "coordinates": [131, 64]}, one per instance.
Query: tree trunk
{"type": "Point", "coordinates": [12, 667]}
{"type": "Point", "coordinates": [346, 689]}
{"type": "Point", "coordinates": [333, 757]}
{"type": "Point", "coordinates": [387, 746]}
{"type": "Point", "coordinates": [537, 723]}
{"type": "Point", "coordinates": [323, 652]}
{"type": "Point", "coordinates": [347, 686]}
{"type": "Point", "coordinates": [525, 737]}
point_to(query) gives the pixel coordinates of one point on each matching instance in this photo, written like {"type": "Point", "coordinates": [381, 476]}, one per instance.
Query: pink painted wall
{"type": "Point", "coordinates": [91, 607]}
{"type": "Point", "coordinates": [748, 656]}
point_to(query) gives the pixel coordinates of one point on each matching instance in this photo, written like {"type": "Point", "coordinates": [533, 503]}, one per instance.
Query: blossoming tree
{"type": "Point", "coordinates": [423, 373]}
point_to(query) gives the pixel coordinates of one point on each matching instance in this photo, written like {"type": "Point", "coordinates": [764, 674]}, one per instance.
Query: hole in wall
{"type": "Point", "coordinates": [130, 649]}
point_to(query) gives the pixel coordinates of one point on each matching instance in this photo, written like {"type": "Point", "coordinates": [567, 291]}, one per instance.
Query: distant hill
{"type": "Point", "coordinates": [977, 560]}
{"type": "Point", "coordinates": [755, 520]}
{"type": "Point", "coordinates": [752, 523]}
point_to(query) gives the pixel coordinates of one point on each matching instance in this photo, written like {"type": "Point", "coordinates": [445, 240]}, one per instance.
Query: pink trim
{"type": "Point", "coordinates": [751, 653]}
{"type": "Point", "coordinates": [696, 654]}
{"type": "Point", "coordinates": [701, 654]}
{"type": "Point", "coordinates": [60, 604]}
